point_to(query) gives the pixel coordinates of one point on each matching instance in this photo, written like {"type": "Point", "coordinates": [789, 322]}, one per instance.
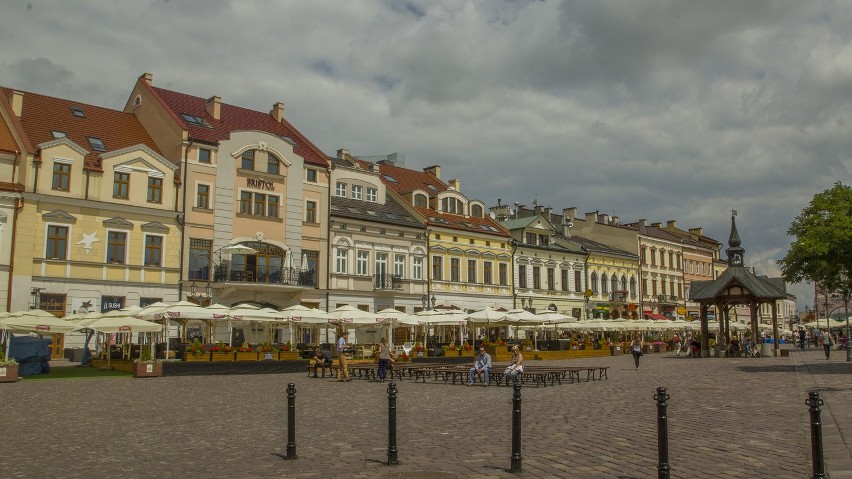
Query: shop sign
{"type": "Point", "coordinates": [260, 184]}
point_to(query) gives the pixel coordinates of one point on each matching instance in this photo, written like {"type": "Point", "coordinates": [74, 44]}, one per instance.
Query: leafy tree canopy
{"type": "Point", "coordinates": [822, 252]}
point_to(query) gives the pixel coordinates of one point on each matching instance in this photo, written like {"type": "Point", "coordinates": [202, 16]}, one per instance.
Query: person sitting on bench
{"type": "Point", "coordinates": [321, 361]}
{"type": "Point", "coordinates": [481, 365]}
{"type": "Point", "coordinates": [515, 368]}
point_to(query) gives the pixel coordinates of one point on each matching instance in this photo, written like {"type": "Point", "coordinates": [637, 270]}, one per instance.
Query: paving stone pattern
{"type": "Point", "coordinates": [734, 418]}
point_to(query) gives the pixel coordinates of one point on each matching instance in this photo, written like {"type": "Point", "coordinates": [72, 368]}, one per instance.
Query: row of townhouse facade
{"type": "Point", "coordinates": [179, 197]}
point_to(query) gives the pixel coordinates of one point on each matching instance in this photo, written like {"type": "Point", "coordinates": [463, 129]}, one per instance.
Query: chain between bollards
{"type": "Point", "coordinates": [814, 402]}
{"type": "Point", "coordinates": [517, 460]}
{"type": "Point", "coordinates": [392, 451]}
{"type": "Point", "coordinates": [663, 469]}
{"type": "Point", "coordinates": [291, 421]}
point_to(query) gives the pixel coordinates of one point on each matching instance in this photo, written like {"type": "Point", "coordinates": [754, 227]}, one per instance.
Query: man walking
{"type": "Point", "coordinates": [482, 365]}
{"type": "Point", "coordinates": [342, 365]}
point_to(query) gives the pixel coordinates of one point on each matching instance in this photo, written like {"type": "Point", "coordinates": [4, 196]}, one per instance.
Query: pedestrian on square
{"type": "Point", "coordinates": [384, 359]}
{"type": "Point", "coordinates": [342, 364]}
{"type": "Point", "coordinates": [481, 365]}
{"type": "Point", "coordinates": [802, 338]}
{"type": "Point", "coordinates": [825, 341]}
{"type": "Point", "coordinates": [677, 343]}
{"type": "Point", "coordinates": [636, 350]}
{"type": "Point", "coordinates": [515, 368]}
{"type": "Point", "coordinates": [320, 361]}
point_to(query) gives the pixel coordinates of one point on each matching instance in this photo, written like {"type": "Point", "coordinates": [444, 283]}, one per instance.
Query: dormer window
{"type": "Point", "coordinates": [76, 111]}
{"type": "Point", "coordinates": [247, 162]}
{"type": "Point", "coordinates": [476, 210]}
{"type": "Point", "coordinates": [420, 200]}
{"type": "Point", "coordinates": [57, 134]}
{"type": "Point", "coordinates": [195, 120]}
{"type": "Point", "coordinates": [96, 143]}
{"type": "Point", "coordinates": [452, 205]}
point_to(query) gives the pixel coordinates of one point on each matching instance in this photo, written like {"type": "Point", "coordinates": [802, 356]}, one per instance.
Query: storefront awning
{"type": "Point", "coordinates": [652, 315]}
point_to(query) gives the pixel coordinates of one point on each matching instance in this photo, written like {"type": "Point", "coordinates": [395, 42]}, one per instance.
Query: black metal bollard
{"type": "Point", "coordinates": [392, 451]}
{"type": "Point", "coordinates": [517, 460]}
{"type": "Point", "coordinates": [291, 421]}
{"type": "Point", "coordinates": [814, 402]}
{"type": "Point", "coordinates": [663, 469]}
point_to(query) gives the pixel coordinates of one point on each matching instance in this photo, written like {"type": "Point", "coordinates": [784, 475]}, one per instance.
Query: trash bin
{"type": "Point", "coordinates": [766, 350]}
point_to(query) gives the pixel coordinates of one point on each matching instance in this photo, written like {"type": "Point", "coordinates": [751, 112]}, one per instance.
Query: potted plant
{"type": "Point", "coordinates": [245, 353]}
{"type": "Point", "coordinates": [222, 352]}
{"type": "Point", "coordinates": [466, 349]}
{"type": "Point", "coordinates": [146, 366]}
{"type": "Point", "coordinates": [287, 352]}
{"type": "Point", "coordinates": [9, 370]}
{"type": "Point", "coordinates": [403, 357]}
{"type": "Point", "coordinates": [419, 349]}
{"type": "Point", "coordinates": [526, 345]}
{"type": "Point", "coordinates": [267, 351]}
{"type": "Point", "coordinates": [196, 352]}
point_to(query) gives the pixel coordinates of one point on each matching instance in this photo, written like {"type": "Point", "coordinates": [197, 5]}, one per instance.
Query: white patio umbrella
{"type": "Point", "coordinates": [351, 315]}
{"type": "Point", "coordinates": [236, 249]}
{"type": "Point", "coordinates": [119, 321]}
{"type": "Point", "coordinates": [34, 321]}
{"type": "Point", "coordinates": [299, 314]}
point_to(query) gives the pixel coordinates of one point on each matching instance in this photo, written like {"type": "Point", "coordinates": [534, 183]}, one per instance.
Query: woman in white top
{"type": "Point", "coordinates": [515, 368]}
{"type": "Point", "coordinates": [384, 359]}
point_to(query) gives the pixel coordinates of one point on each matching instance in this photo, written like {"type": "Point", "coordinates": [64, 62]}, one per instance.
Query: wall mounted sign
{"type": "Point", "coordinates": [260, 184]}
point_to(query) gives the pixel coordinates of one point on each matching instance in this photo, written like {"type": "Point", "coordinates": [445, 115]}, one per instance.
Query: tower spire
{"type": "Point", "coordinates": [735, 251]}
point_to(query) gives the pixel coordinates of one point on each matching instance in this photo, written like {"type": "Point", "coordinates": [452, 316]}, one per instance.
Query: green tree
{"type": "Point", "coordinates": [822, 252]}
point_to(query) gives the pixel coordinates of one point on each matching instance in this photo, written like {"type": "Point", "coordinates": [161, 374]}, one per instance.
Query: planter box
{"type": "Point", "coordinates": [288, 355]}
{"type": "Point", "coordinates": [659, 348]}
{"type": "Point", "coordinates": [147, 370]}
{"type": "Point", "coordinates": [245, 356]}
{"type": "Point", "coordinates": [466, 353]}
{"type": "Point", "coordinates": [203, 358]}
{"type": "Point", "coordinates": [9, 374]}
{"type": "Point", "coordinates": [217, 356]}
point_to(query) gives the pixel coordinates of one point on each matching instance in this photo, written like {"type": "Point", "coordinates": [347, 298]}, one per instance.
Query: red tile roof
{"type": "Point", "coordinates": [235, 118]}
{"type": "Point", "coordinates": [7, 141]}
{"type": "Point", "coordinates": [406, 181]}
{"type": "Point", "coordinates": [116, 129]}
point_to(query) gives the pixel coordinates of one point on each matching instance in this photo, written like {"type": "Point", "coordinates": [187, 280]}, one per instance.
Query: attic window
{"type": "Point", "coordinates": [96, 143]}
{"type": "Point", "coordinates": [57, 134]}
{"type": "Point", "coordinates": [390, 178]}
{"type": "Point", "coordinates": [391, 216]}
{"type": "Point", "coordinates": [78, 112]}
{"type": "Point", "coordinates": [432, 187]}
{"type": "Point", "coordinates": [195, 120]}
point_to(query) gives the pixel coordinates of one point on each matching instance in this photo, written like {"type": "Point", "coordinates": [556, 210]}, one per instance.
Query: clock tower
{"type": "Point", "coordinates": [734, 251]}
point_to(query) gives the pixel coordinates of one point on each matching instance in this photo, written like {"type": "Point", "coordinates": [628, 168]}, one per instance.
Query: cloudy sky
{"type": "Point", "coordinates": [668, 109]}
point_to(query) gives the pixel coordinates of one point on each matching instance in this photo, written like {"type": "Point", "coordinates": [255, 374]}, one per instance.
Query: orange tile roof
{"type": "Point", "coordinates": [406, 181]}
{"type": "Point", "coordinates": [7, 141]}
{"type": "Point", "coordinates": [235, 118]}
{"type": "Point", "coordinates": [116, 129]}
{"type": "Point", "coordinates": [6, 186]}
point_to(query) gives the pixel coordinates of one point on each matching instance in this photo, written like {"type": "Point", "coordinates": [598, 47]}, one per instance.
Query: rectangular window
{"type": "Point", "coordinates": [155, 190]}
{"type": "Point", "coordinates": [311, 211]}
{"type": "Point", "coordinates": [245, 203]}
{"type": "Point", "coordinates": [153, 250]}
{"type": "Point", "coordinates": [417, 267]}
{"type": "Point", "coordinates": [356, 192]}
{"type": "Point", "coordinates": [437, 268]}
{"type": "Point", "coordinates": [644, 261]}
{"type": "Point", "coordinates": [662, 259]}
{"type": "Point", "coordinates": [273, 166]}
{"type": "Point", "coordinates": [259, 204]}
{"type": "Point", "coordinates": [531, 238]}
{"type": "Point", "coordinates": [653, 257]}
{"type": "Point", "coordinates": [61, 177]}
{"type": "Point", "coordinates": [247, 162]}
{"type": "Point", "coordinates": [341, 259]}
{"type": "Point", "coordinates": [57, 242]}
{"type": "Point", "coordinates": [120, 185]}
{"type": "Point", "coordinates": [671, 259]}
{"type": "Point", "coordinates": [564, 279]}
{"type": "Point", "coordinates": [340, 189]}
{"type": "Point", "coordinates": [372, 195]}
{"type": "Point", "coordinates": [487, 272]}
{"type": "Point", "coordinates": [311, 175]}
{"type": "Point", "coordinates": [116, 247]}
{"type": "Point", "coordinates": [199, 258]}
{"type": "Point", "coordinates": [455, 270]}
{"type": "Point", "coordinates": [471, 271]}
{"type": "Point", "coordinates": [551, 275]}
{"type": "Point", "coordinates": [644, 287]}
{"type": "Point", "coordinates": [536, 277]}
{"type": "Point", "coordinates": [653, 287]}
{"type": "Point", "coordinates": [361, 260]}
{"type": "Point", "coordinates": [272, 206]}
{"type": "Point", "coordinates": [543, 240]}
{"type": "Point", "coordinates": [578, 281]}
{"type": "Point", "coordinates": [202, 197]}
{"type": "Point", "coordinates": [399, 265]}
{"type": "Point", "coordinates": [522, 276]}
{"type": "Point", "coordinates": [504, 274]}
{"type": "Point", "coordinates": [205, 155]}
{"type": "Point", "coordinates": [96, 144]}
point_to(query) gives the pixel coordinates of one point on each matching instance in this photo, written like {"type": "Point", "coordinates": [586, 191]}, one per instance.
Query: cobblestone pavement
{"type": "Point", "coordinates": [736, 418]}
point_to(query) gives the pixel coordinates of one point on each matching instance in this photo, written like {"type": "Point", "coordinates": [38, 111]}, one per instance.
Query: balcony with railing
{"type": "Point", "coordinates": [667, 299]}
{"type": "Point", "coordinates": [619, 296]}
{"type": "Point", "coordinates": [387, 282]}
{"type": "Point", "coordinates": [259, 275]}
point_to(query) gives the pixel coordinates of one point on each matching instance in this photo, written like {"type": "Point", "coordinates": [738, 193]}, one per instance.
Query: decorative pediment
{"type": "Point", "coordinates": [64, 142]}
{"type": "Point", "coordinates": [140, 165]}
{"type": "Point", "coordinates": [143, 149]}
{"type": "Point", "coordinates": [59, 216]}
{"type": "Point", "coordinates": [155, 227]}
{"type": "Point", "coordinates": [118, 223]}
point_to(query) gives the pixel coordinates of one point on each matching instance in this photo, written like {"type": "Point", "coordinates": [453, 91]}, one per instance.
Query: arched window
{"type": "Point", "coordinates": [614, 282]}
{"type": "Point", "coordinates": [604, 284]}
{"type": "Point", "coordinates": [623, 283]}
{"type": "Point", "coordinates": [273, 165]}
{"type": "Point", "coordinates": [476, 210]}
{"type": "Point", "coordinates": [594, 281]}
{"type": "Point", "coordinates": [420, 200]}
{"type": "Point", "coordinates": [632, 286]}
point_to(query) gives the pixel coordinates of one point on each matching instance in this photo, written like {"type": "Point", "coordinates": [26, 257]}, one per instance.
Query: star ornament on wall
{"type": "Point", "coordinates": [88, 239]}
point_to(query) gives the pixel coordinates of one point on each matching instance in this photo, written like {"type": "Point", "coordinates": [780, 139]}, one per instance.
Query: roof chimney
{"type": "Point", "coordinates": [148, 78]}
{"type": "Point", "coordinates": [342, 153]}
{"type": "Point", "coordinates": [592, 216]}
{"type": "Point", "coordinates": [671, 224]}
{"type": "Point", "coordinates": [214, 107]}
{"type": "Point", "coordinates": [569, 213]}
{"type": "Point", "coordinates": [697, 231]}
{"type": "Point", "coordinates": [278, 111]}
{"type": "Point", "coordinates": [539, 210]}
{"type": "Point", "coordinates": [16, 99]}
{"type": "Point", "coordinates": [656, 225]}
{"type": "Point", "coordinates": [642, 224]}
{"type": "Point", "coordinates": [605, 219]}
{"type": "Point", "coordinates": [455, 184]}
{"type": "Point", "coordinates": [435, 170]}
